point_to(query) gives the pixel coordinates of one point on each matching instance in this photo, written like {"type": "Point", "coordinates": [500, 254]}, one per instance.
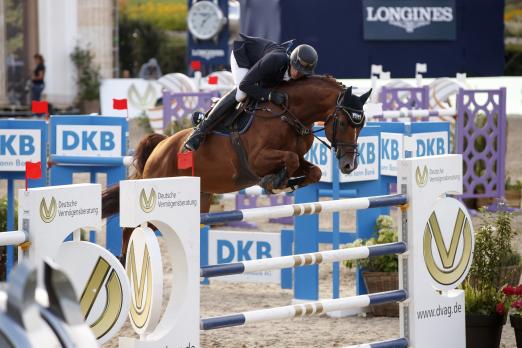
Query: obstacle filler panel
{"type": "Point", "coordinates": [171, 205]}
{"type": "Point", "coordinates": [179, 106]}
{"type": "Point", "coordinates": [94, 145]}
{"type": "Point", "coordinates": [481, 139]}
{"type": "Point", "coordinates": [20, 141]}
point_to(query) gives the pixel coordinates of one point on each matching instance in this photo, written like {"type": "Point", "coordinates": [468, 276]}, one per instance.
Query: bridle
{"type": "Point", "coordinates": [356, 119]}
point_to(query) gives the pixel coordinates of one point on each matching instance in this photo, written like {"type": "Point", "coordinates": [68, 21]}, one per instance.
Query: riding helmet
{"type": "Point", "coordinates": [304, 59]}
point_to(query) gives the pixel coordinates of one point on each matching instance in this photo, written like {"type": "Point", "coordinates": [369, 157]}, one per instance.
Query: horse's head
{"type": "Point", "coordinates": [343, 126]}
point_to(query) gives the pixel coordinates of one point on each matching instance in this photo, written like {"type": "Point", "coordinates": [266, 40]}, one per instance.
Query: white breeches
{"type": "Point", "coordinates": [238, 74]}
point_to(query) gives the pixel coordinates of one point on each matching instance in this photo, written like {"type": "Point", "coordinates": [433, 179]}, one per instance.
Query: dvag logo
{"type": "Point", "coordinates": [16, 144]}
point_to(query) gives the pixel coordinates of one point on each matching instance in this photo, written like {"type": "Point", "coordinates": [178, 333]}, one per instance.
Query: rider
{"type": "Point", "coordinates": [257, 66]}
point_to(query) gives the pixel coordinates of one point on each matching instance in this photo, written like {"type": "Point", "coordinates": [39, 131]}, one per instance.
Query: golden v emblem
{"type": "Point", "coordinates": [147, 204]}
{"type": "Point", "coordinates": [421, 178]}
{"type": "Point", "coordinates": [48, 213]}
{"type": "Point", "coordinates": [448, 259]}
{"type": "Point", "coordinates": [141, 288]}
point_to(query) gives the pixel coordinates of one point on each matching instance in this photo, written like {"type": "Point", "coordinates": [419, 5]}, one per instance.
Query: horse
{"type": "Point", "coordinates": [273, 147]}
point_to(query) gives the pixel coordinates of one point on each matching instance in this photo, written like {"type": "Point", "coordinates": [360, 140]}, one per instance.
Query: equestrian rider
{"type": "Point", "coordinates": [257, 66]}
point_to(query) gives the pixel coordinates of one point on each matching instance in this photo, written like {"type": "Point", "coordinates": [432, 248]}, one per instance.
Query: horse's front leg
{"type": "Point", "coordinates": [311, 173]}
{"type": "Point", "coordinates": [275, 167]}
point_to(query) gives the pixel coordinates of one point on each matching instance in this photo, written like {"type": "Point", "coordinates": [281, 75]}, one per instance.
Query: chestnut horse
{"type": "Point", "coordinates": [274, 145]}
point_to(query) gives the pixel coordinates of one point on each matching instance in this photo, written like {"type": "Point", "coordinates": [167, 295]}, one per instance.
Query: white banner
{"type": "Point", "coordinates": [88, 141]}
{"type": "Point", "coordinates": [236, 246]}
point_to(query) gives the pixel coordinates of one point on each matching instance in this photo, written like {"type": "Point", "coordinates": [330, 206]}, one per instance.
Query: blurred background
{"type": "Point", "coordinates": [85, 44]}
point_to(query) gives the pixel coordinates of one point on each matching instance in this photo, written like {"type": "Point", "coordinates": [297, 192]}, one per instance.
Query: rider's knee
{"type": "Point", "coordinates": [240, 95]}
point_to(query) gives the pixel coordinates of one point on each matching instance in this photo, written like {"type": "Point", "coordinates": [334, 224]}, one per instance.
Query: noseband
{"type": "Point", "coordinates": [356, 119]}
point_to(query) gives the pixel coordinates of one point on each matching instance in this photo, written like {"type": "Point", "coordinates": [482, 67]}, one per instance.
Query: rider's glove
{"type": "Point", "coordinates": [277, 97]}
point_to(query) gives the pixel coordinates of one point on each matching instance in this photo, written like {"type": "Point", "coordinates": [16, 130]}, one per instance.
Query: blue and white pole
{"type": "Point", "coordinates": [397, 343]}
{"type": "Point", "coordinates": [302, 260]}
{"type": "Point", "coordinates": [302, 310]}
{"type": "Point", "coordinates": [304, 209]}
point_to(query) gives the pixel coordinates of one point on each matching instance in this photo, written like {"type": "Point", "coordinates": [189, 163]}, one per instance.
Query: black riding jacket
{"type": "Point", "coordinates": [267, 62]}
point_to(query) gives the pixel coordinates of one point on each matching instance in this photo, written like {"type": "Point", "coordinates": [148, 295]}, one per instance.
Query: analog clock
{"type": "Point", "coordinates": [205, 20]}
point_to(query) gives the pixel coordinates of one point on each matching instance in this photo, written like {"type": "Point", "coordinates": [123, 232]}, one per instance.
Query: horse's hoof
{"type": "Point", "coordinates": [296, 182]}
{"type": "Point", "coordinates": [267, 183]}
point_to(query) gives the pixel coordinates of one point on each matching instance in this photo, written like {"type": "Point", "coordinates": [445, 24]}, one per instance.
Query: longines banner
{"type": "Point", "coordinates": [409, 19]}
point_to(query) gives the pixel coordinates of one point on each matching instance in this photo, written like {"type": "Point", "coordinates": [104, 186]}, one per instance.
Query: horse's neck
{"type": "Point", "coordinates": [313, 99]}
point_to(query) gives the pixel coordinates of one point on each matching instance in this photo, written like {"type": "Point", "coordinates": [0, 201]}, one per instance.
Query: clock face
{"type": "Point", "coordinates": [205, 20]}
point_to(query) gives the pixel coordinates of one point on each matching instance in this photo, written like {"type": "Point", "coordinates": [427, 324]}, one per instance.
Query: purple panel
{"type": "Point", "coordinates": [412, 98]}
{"type": "Point", "coordinates": [177, 106]}
{"type": "Point", "coordinates": [481, 129]}
{"type": "Point", "coordinates": [397, 98]}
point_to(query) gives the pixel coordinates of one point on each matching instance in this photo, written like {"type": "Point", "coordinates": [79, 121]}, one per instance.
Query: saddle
{"type": "Point", "coordinates": [236, 122]}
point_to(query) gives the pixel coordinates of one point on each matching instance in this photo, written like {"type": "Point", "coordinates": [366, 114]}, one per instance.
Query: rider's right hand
{"type": "Point", "coordinates": [277, 97]}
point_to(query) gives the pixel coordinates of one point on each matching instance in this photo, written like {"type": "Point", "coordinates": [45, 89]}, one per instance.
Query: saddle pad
{"type": "Point", "coordinates": [243, 123]}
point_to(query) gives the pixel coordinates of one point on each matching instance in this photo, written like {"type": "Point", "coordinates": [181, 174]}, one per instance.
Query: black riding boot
{"type": "Point", "coordinates": [214, 117]}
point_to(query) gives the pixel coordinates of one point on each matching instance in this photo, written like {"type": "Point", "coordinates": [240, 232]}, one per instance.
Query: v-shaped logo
{"type": "Point", "coordinates": [142, 102]}
{"type": "Point", "coordinates": [451, 271]}
{"type": "Point", "coordinates": [48, 213]}
{"type": "Point", "coordinates": [140, 304]}
{"type": "Point", "coordinates": [147, 204]}
{"type": "Point", "coordinates": [102, 274]}
{"type": "Point", "coordinates": [421, 178]}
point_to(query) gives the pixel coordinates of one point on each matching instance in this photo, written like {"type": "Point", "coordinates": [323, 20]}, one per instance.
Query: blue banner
{"type": "Point", "coordinates": [409, 19]}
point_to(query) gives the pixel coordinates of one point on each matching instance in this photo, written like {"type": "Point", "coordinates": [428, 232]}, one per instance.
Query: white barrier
{"type": "Point", "coordinates": [46, 217]}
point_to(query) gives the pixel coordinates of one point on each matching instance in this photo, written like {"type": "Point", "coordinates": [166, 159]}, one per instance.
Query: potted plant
{"type": "Point", "coordinates": [513, 305]}
{"type": "Point", "coordinates": [484, 316]}
{"type": "Point", "coordinates": [513, 193]}
{"type": "Point", "coordinates": [380, 273]}
{"type": "Point", "coordinates": [88, 80]}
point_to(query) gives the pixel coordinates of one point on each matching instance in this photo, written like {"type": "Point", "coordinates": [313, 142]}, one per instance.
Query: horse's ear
{"type": "Point", "coordinates": [348, 92]}
{"type": "Point", "coordinates": [363, 98]}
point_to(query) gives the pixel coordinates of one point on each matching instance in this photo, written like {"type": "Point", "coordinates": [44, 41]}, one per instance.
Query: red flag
{"type": "Point", "coordinates": [32, 171]}
{"type": "Point", "coordinates": [186, 161]}
{"type": "Point", "coordinates": [39, 107]}
{"type": "Point", "coordinates": [195, 65]}
{"type": "Point", "coordinates": [212, 80]}
{"type": "Point", "coordinates": [119, 104]}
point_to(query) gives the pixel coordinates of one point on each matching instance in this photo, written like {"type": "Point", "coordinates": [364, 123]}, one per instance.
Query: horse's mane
{"type": "Point", "coordinates": [327, 80]}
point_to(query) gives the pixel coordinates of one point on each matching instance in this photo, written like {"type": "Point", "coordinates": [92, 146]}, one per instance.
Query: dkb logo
{"type": "Point", "coordinates": [421, 178]}
{"type": "Point", "coordinates": [48, 213]}
{"type": "Point", "coordinates": [102, 274]}
{"type": "Point", "coordinates": [450, 273]}
{"type": "Point", "coordinates": [147, 204]}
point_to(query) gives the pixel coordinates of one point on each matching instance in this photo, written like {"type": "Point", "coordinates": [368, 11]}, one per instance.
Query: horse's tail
{"type": "Point", "coordinates": [143, 152]}
{"type": "Point", "coordinates": [111, 195]}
